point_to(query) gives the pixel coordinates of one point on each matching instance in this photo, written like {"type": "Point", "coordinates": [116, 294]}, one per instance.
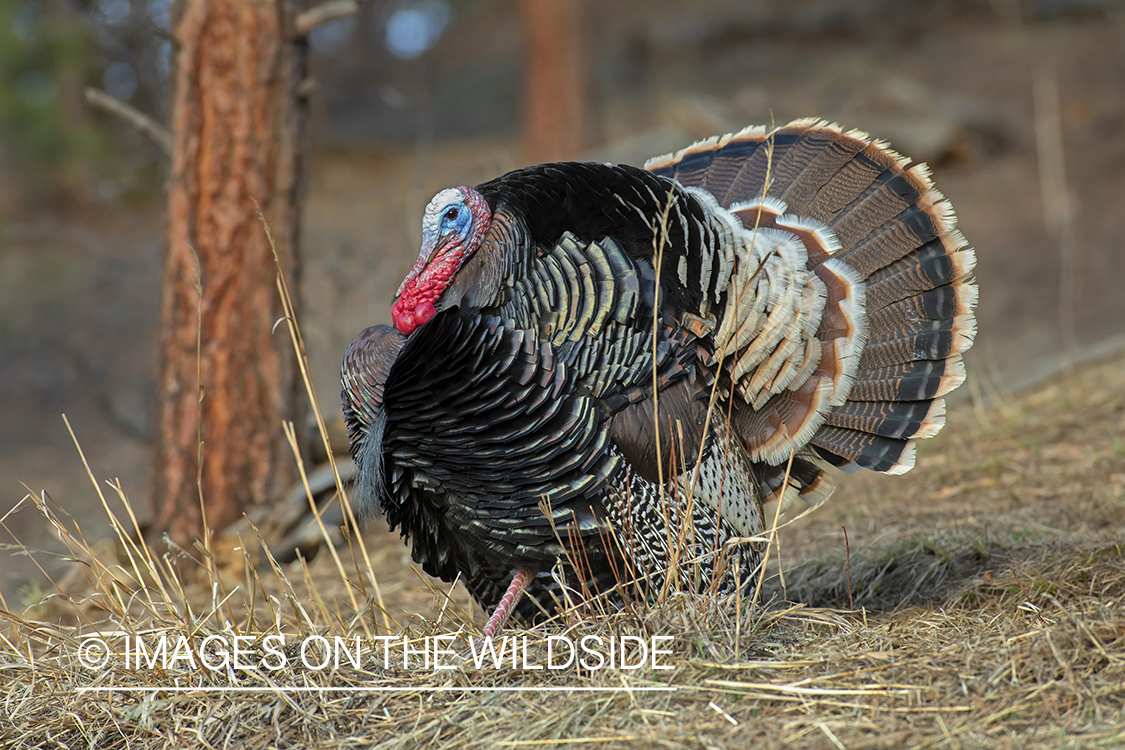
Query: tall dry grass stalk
{"type": "Point", "coordinates": [1055, 197]}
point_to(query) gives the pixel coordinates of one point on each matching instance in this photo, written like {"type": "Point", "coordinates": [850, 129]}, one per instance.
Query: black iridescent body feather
{"type": "Point", "coordinates": [805, 287]}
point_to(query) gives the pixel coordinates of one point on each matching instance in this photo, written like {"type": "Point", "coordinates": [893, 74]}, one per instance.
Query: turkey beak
{"type": "Point", "coordinates": [432, 246]}
{"type": "Point", "coordinates": [431, 243]}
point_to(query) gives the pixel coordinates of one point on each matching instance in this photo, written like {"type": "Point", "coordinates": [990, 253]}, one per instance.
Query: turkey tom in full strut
{"type": "Point", "coordinates": [620, 367]}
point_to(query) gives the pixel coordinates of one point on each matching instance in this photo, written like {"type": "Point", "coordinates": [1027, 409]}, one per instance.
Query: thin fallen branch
{"type": "Point", "coordinates": [132, 116]}
{"type": "Point", "coordinates": [322, 14]}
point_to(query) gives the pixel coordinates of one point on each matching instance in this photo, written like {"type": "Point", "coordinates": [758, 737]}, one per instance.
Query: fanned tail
{"type": "Point", "coordinates": [899, 297]}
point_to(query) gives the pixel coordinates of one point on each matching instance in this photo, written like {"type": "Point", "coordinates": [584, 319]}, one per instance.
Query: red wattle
{"type": "Point", "coordinates": [423, 311]}
{"type": "Point", "coordinates": [404, 322]}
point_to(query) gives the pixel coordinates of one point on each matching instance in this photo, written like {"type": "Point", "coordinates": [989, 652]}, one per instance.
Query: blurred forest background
{"type": "Point", "coordinates": [1019, 106]}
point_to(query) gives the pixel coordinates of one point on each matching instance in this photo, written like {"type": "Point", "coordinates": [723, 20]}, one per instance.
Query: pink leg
{"type": "Point", "coordinates": [511, 597]}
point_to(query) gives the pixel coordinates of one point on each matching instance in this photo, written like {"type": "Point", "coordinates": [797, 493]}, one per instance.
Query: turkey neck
{"type": "Point", "coordinates": [503, 256]}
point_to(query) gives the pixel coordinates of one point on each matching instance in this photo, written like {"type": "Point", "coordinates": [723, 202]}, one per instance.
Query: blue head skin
{"type": "Point", "coordinates": [452, 228]}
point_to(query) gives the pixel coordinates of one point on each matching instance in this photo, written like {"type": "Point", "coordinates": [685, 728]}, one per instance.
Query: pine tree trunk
{"type": "Point", "coordinates": [556, 121]}
{"type": "Point", "coordinates": [227, 377]}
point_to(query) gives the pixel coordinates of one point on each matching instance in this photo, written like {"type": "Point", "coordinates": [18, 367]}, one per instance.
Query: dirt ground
{"type": "Point", "coordinates": [1023, 123]}
{"type": "Point", "coordinates": [979, 605]}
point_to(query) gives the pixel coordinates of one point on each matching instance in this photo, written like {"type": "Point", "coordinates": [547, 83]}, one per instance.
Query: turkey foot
{"type": "Point", "coordinates": [511, 598]}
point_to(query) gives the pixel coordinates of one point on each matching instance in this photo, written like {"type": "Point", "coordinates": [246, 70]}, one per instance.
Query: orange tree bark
{"type": "Point", "coordinates": [556, 121]}
{"type": "Point", "coordinates": [227, 378]}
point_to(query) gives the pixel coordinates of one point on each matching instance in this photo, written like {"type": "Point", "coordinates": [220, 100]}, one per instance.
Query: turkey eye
{"type": "Point", "coordinates": [451, 214]}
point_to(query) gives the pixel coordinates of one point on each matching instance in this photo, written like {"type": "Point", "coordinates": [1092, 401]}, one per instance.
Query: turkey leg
{"type": "Point", "coordinates": [519, 584]}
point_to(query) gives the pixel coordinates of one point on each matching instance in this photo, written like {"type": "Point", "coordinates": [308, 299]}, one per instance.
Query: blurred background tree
{"type": "Point", "coordinates": [228, 376]}
{"type": "Point", "coordinates": [50, 51]}
{"type": "Point", "coordinates": [47, 56]}
{"type": "Point", "coordinates": [556, 120]}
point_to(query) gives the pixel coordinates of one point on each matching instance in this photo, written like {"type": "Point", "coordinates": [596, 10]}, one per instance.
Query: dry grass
{"type": "Point", "coordinates": [1005, 633]}
{"type": "Point", "coordinates": [988, 586]}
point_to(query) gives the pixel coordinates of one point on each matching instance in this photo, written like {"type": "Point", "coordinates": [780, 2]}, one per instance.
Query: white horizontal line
{"type": "Point", "coordinates": [423, 689]}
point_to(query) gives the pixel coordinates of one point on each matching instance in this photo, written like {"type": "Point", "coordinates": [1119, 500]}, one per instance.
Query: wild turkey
{"type": "Point", "coordinates": [779, 302]}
